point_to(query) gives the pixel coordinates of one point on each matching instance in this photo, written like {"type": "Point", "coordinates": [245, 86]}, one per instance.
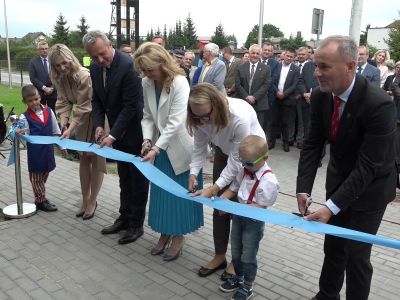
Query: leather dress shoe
{"type": "Point", "coordinates": [299, 145]}
{"type": "Point", "coordinates": [46, 206]}
{"type": "Point", "coordinates": [291, 143]}
{"type": "Point", "coordinates": [271, 144]}
{"type": "Point", "coordinates": [204, 272]}
{"type": "Point", "coordinates": [286, 147]}
{"type": "Point", "coordinates": [114, 228]}
{"type": "Point", "coordinates": [131, 235]}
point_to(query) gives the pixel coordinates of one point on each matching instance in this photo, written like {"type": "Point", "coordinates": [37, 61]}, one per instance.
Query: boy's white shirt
{"type": "Point", "coordinates": [54, 125]}
{"type": "Point", "coordinates": [267, 190]}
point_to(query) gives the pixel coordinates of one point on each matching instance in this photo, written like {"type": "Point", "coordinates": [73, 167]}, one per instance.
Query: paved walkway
{"type": "Point", "coordinates": [58, 256]}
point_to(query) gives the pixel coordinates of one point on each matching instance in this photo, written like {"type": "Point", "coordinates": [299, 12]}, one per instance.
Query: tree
{"type": "Point", "coordinates": [189, 33]}
{"type": "Point", "coordinates": [394, 42]}
{"type": "Point", "coordinates": [82, 26]}
{"type": "Point", "coordinates": [292, 42]}
{"type": "Point", "coordinates": [219, 37]}
{"type": "Point", "coordinates": [61, 32]}
{"type": "Point", "coordinates": [269, 31]}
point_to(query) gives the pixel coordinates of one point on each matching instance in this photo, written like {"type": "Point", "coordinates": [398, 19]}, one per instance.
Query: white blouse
{"type": "Point", "coordinates": [244, 122]}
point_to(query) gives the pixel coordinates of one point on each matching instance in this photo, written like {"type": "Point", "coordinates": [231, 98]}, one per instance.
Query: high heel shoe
{"type": "Point", "coordinates": [80, 213]}
{"type": "Point", "coordinates": [169, 257]}
{"type": "Point", "coordinates": [156, 251]}
{"type": "Point", "coordinates": [87, 216]}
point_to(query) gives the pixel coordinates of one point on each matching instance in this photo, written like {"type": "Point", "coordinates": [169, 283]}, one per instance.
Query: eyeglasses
{"type": "Point", "coordinates": [251, 164]}
{"type": "Point", "coordinates": [205, 118]}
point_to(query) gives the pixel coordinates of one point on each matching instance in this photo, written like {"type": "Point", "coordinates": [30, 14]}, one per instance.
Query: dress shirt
{"type": "Point", "coordinates": [282, 78]}
{"type": "Point", "coordinates": [362, 67]}
{"type": "Point", "coordinates": [243, 123]}
{"type": "Point", "coordinates": [343, 97]}
{"type": "Point", "coordinates": [267, 190]}
{"type": "Point", "coordinates": [255, 66]}
{"type": "Point", "coordinates": [207, 68]}
{"type": "Point", "coordinates": [54, 125]}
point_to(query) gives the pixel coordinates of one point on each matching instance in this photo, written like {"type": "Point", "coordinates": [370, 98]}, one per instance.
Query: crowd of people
{"type": "Point", "coordinates": [156, 104]}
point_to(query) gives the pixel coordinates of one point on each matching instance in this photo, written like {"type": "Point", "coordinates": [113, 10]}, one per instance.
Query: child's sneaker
{"type": "Point", "coordinates": [232, 284]}
{"type": "Point", "coordinates": [243, 293]}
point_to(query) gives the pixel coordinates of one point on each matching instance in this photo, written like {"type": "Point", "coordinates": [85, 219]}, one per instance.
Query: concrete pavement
{"type": "Point", "coordinates": [58, 256]}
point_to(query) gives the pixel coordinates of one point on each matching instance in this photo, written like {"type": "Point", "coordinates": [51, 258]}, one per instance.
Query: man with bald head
{"type": "Point", "coordinates": [358, 119]}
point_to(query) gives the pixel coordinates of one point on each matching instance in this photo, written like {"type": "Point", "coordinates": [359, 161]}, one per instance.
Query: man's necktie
{"type": "Point", "coordinates": [300, 67]}
{"type": "Point", "coordinates": [252, 71]}
{"type": "Point", "coordinates": [359, 70]}
{"type": "Point", "coordinates": [335, 117]}
{"type": "Point", "coordinates": [264, 61]}
{"type": "Point", "coordinates": [251, 77]}
{"type": "Point", "coordinates": [227, 62]}
{"type": "Point", "coordinates": [45, 65]}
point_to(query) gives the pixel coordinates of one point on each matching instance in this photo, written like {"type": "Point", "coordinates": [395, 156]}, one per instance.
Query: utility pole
{"type": "Point", "coordinates": [260, 23]}
{"type": "Point", "coordinates": [355, 20]}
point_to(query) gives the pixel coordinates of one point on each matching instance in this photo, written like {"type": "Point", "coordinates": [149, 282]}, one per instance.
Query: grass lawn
{"type": "Point", "coordinates": [11, 98]}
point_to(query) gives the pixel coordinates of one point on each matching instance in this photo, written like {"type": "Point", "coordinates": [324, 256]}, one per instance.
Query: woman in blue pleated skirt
{"type": "Point", "coordinates": [168, 144]}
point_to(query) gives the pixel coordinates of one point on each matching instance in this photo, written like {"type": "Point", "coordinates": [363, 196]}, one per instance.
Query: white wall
{"type": "Point", "coordinates": [377, 37]}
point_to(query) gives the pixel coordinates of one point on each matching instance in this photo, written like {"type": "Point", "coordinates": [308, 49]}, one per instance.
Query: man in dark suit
{"type": "Point", "coordinates": [232, 63]}
{"type": "Point", "coordinates": [307, 82]}
{"type": "Point", "coordinates": [358, 119]}
{"type": "Point", "coordinates": [252, 81]}
{"type": "Point", "coordinates": [371, 73]}
{"type": "Point", "coordinates": [268, 59]}
{"type": "Point", "coordinates": [283, 110]}
{"type": "Point", "coordinates": [118, 94]}
{"type": "Point", "coordinates": [39, 70]}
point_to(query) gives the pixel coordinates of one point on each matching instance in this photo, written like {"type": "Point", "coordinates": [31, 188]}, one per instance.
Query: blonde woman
{"type": "Point", "coordinates": [167, 144]}
{"type": "Point", "coordinates": [73, 105]}
{"type": "Point", "coordinates": [224, 122]}
{"type": "Point", "coordinates": [381, 57]}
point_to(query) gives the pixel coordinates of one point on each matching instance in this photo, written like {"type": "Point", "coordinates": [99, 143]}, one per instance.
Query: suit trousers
{"type": "Point", "coordinates": [221, 223]}
{"type": "Point", "coordinates": [281, 117]}
{"type": "Point", "coordinates": [261, 117]}
{"type": "Point", "coordinates": [49, 100]}
{"type": "Point", "coordinates": [134, 189]}
{"type": "Point", "coordinates": [352, 257]}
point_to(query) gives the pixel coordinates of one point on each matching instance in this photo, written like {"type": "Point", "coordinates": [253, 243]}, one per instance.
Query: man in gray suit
{"type": "Point", "coordinates": [371, 73]}
{"type": "Point", "coordinates": [232, 63]}
{"type": "Point", "coordinates": [214, 70]}
{"type": "Point", "coordinates": [252, 82]}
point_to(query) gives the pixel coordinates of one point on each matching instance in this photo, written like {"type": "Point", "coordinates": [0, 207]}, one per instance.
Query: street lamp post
{"type": "Point", "coordinates": [8, 45]}
{"type": "Point", "coordinates": [260, 23]}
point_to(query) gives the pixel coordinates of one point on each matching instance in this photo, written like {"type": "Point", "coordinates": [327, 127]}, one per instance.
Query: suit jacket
{"type": "Point", "coordinates": [165, 124]}
{"type": "Point", "coordinates": [273, 87]}
{"type": "Point", "coordinates": [361, 170]}
{"type": "Point", "coordinates": [215, 75]}
{"type": "Point", "coordinates": [372, 74]}
{"type": "Point", "coordinates": [307, 81]}
{"type": "Point", "coordinates": [259, 86]}
{"type": "Point", "coordinates": [388, 83]}
{"type": "Point", "coordinates": [40, 77]}
{"type": "Point", "coordinates": [121, 99]}
{"type": "Point", "coordinates": [290, 87]}
{"type": "Point", "coordinates": [230, 76]}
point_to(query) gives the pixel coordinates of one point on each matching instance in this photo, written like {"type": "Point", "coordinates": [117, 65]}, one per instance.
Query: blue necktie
{"type": "Point", "coordinates": [45, 65]}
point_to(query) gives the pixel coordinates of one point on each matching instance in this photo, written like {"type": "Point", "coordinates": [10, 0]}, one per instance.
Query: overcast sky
{"type": "Point", "coordinates": [237, 17]}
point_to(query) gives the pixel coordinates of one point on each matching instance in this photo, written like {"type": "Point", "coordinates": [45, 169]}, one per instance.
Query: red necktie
{"type": "Point", "coordinates": [335, 117]}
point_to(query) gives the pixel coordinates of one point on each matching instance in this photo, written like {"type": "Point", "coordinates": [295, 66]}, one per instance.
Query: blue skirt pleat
{"type": "Point", "coordinates": [169, 214]}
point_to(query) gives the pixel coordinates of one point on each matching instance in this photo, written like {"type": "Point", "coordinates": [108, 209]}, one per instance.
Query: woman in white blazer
{"type": "Point", "coordinates": [168, 144]}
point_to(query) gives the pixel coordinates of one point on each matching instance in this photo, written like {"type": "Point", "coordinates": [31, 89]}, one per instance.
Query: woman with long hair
{"type": "Point", "coordinates": [73, 106]}
{"type": "Point", "coordinates": [168, 145]}
{"type": "Point", "coordinates": [224, 122]}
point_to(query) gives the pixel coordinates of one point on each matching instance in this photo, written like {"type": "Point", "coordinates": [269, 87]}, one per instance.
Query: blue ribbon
{"type": "Point", "coordinates": [163, 181]}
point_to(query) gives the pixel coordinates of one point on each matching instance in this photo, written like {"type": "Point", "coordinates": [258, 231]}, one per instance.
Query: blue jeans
{"type": "Point", "coordinates": [246, 235]}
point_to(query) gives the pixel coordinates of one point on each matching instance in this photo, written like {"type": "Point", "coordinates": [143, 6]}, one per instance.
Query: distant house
{"type": "Point", "coordinates": [202, 41]}
{"type": "Point", "coordinates": [377, 36]}
{"type": "Point", "coordinates": [36, 37]}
